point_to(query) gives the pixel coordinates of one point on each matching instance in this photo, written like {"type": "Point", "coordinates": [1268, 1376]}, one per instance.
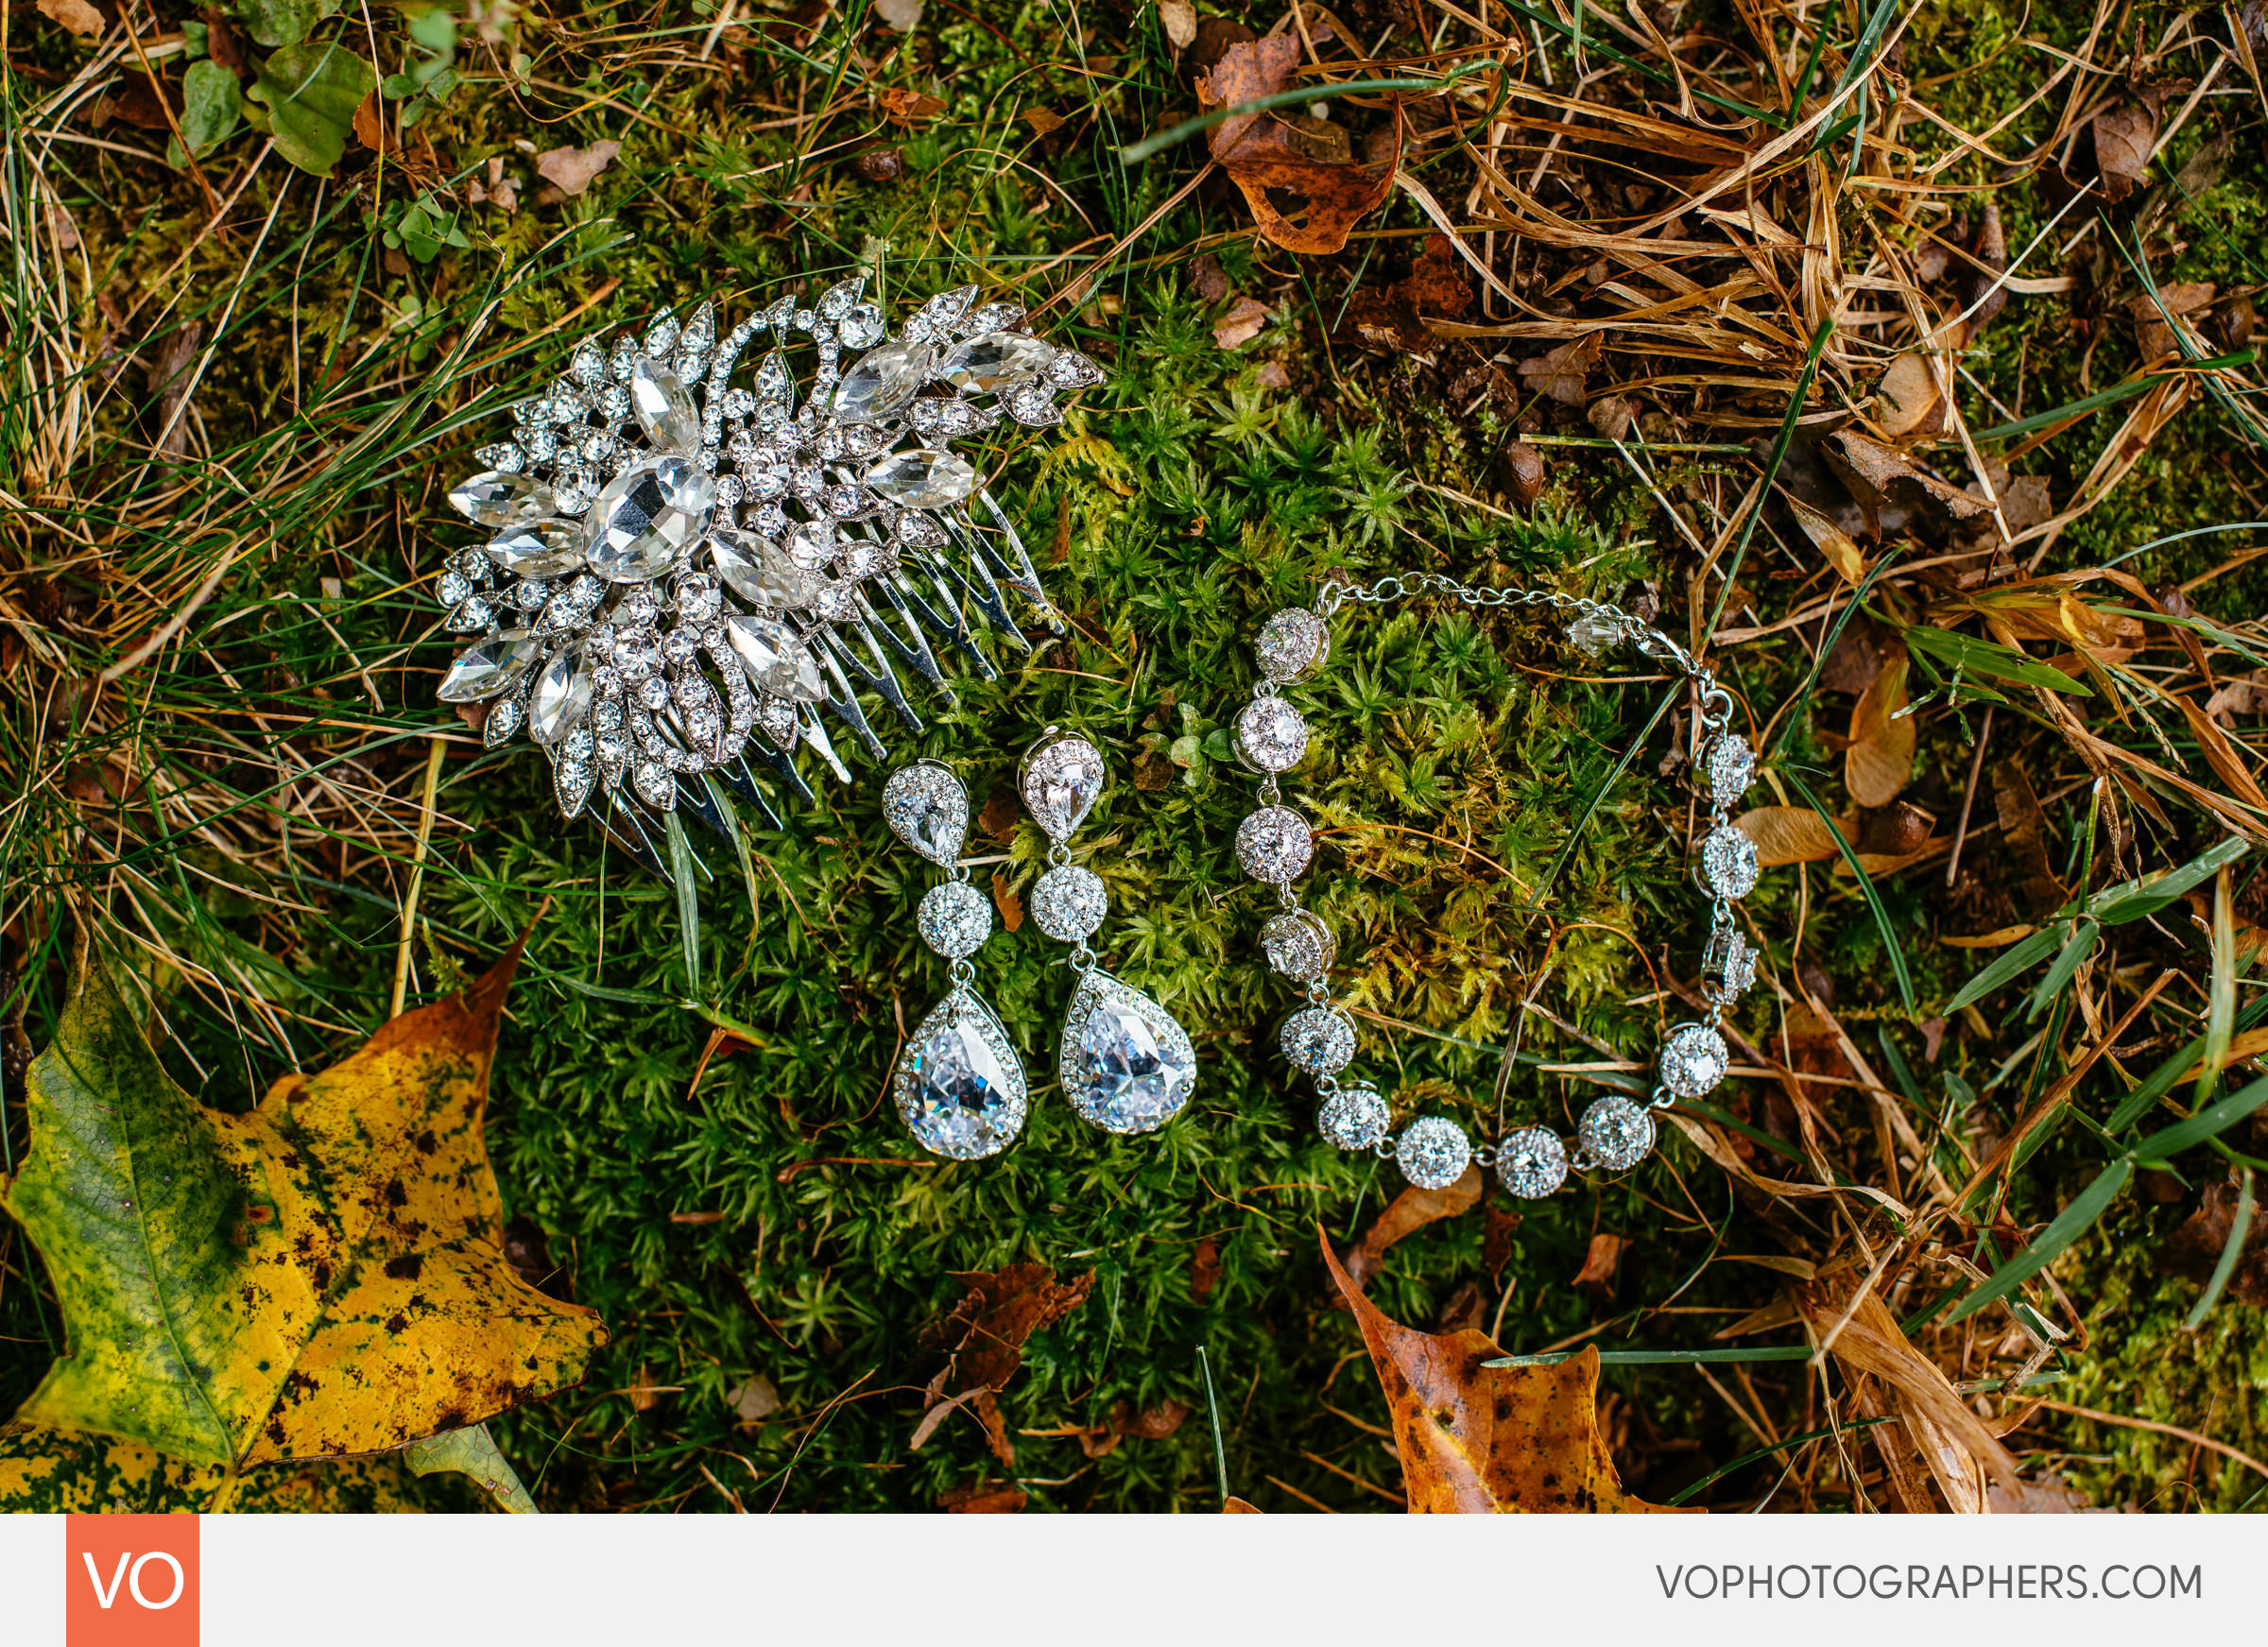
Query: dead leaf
{"type": "Point", "coordinates": [1241, 324]}
{"type": "Point", "coordinates": [1560, 375]}
{"type": "Point", "coordinates": [2125, 135]}
{"type": "Point", "coordinates": [1840, 547]}
{"type": "Point", "coordinates": [1875, 475]}
{"type": "Point", "coordinates": [1787, 834]}
{"type": "Point", "coordinates": [1880, 761]}
{"type": "Point", "coordinates": [1600, 1260]}
{"type": "Point", "coordinates": [1477, 1438]}
{"type": "Point", "coordinates": [1300, 203]}
{"type": "Point", "coordinates": [74, 15]}
{"type": "Point", "coordinates": [986, 1334]}
{"type": "Point", "coordinates": [572, 170]}
{"type": "Point", "coordinates": [902, 16]}
{"type": "Point", "coordinates": [1178, 18]}
{"type": "Point", "coordinates": [1407, 1213]}
{"type": "Point", "coordinates": [1912, 403]}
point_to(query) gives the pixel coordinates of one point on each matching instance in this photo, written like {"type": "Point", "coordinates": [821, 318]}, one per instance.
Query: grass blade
{"type": "Point", "coordinates": [2239, 1227]}
{"type": "Point", "coordinates": [2071, 1223]}
{"type": "Point", "coordinates": [1874, 900]}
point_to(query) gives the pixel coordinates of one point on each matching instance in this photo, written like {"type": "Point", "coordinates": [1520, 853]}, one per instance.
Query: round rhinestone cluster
{"type": "Point", "coordinates": [955, 920]}
{"type": "Point", "coordinates": [1319, 1040]}
{"type": "Point", "coordinates": [1694, 1059]}
{"type": "Point", "coordinates": [1299, 945]}
{"type": "Point", "coordinates": [1616, 1133]}
{"type": "Point", "coordinates": [1293, 644]}
{"type": "Point", "coordinates": [1531, 1162]}
{"type": "Point", "coordinates": [1729, 865]}
{"type": "Point", "coordinates": [1273, 845]}
{"type": "Point", "coordinates": [1432, 1153]}
{"type": "Point", "coordinates": [1068, 904]}
{"type": "Point", "coordinates": [1354, 1117]}
{"type": "Point", "coordinates": [1270, 735]}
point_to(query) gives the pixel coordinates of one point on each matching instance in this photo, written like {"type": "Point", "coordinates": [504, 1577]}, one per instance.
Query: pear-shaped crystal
{"type": "Point", "coordinates": [984, 365]}
{"type": "Point", "coordinates": [647, 516]}
{"type": "Point", "coordinates": [560, 696]}
{"type": "Point", "coordinates": [483, 670]}
{"type": "Point", "coordinates": [776, 657]}
{"type": "Point", "coordinates": [492, 498]}
{"type": "Point", "coordinates": [926, 808]}
{"type": "Point", "coordinates": [883, 382]}
{"type": "Point", "coordinates": [1126, 1064]}
{"type": "Point", "coordinates": [1060, 779]}
{"type": "Point", "coordinates": [539, 549]}
{"type": "Point", "coordinates": [759, 571]}
{"type": "Point", "coordinates": [665, 408]}
{"type": "Point", "coordinates": [959, 1085]}
{"type": "Point", "coordinates": [921, 478]}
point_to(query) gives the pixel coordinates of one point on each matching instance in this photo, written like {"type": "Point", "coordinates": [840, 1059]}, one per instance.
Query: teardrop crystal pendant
{"type": "Point", "coordinates": [959, 1084]}
{"type": "Point", "coordinates": [1126, 1064]}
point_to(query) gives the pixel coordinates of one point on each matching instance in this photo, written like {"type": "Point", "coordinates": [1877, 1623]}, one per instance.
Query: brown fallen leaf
{"type": "Point", "coordinates": [572, 170]}
{"type": "Point", "coordinates": [1880, 761]}
{"type": "Point", "coordinates": [1600, 1260]}
{"type": "Point", "coordinates": [1407, 1213]}
{"type": "Point", "coordinates": [1875, 475]}
{"type": "Point", "coordinates": [2125, 135]}
{"type": "Point", "coordinates": [74, 15]}
{"type": "Point", "coordinates": [985, 1334]}
{"type": "Point", "coordinates": [1241, 324]}
{"type": "Point", "coordinates": [1300, 203]}
{"type": "Point", "coordinates": [1477, 1438]}
{"type": "Point", "coordinates": [1787, 834]}
{"type": "Point", "coordinates": [1560, 375]}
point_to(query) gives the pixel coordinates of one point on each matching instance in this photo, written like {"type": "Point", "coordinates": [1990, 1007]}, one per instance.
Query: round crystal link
{"type": "Point", "coordinates": [1432, 1153]}
{"type": "Point", "coordinates": [1616, 1132]}
{"type": "Point", "coordinates": [1694, 1059]}
{"type": "Point", "coordinates": [956, 920]}
{"type": "Point", "coordinates": [1531, 1162]}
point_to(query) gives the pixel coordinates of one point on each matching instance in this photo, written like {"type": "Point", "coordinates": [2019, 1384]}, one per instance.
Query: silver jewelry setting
{"type": "Point", "coordinates": [693, 550]}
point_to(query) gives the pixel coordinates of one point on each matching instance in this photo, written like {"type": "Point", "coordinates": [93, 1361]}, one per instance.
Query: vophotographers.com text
{"type": "Point", "coordinates": [1917, 1581]}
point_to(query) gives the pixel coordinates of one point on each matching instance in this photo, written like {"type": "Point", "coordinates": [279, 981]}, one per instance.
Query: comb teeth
{"type": "Point", "coordinates": [896, 563]}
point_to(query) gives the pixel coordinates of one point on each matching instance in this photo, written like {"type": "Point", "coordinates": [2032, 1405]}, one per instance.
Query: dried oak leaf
{"type": "Point", "coordinates": [1300, 203]}
{"type": "Point", "coordinates": [1407, 1213]}
{"type": "Point", "coordinates": [1477, 1438]}
{"type": "Point", "coordinates": [318, 1277]}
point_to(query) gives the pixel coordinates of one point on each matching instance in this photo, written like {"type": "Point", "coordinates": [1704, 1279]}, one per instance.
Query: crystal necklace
{"type": "Point", "coordinates": [1275, 843]}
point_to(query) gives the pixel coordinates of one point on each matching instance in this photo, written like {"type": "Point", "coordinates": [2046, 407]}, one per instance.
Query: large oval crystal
{"type": "Point", "coordinates": [539, 549]}
{"type": "Point", "coordinates": [560, 696]}
{"type": "Point", "coordinates": [483, 671]}
{"type": "Point", "coordinates": [960, 1086]}
{"type": "Point", "coordinates": [983, 364]}
{"type": "Point", "coordinates": [921, 478]}
{"type": "Point", "coordinates": [776, 657]}
{"type": "Point", "coordinates": [883, 382]}
{"type": "Point", "coordinates": [1126, 1065]}
{"type": "Point", "coordinates": [758, 570]}
{"type": "Point", "coordinates": [664, 407]}
{"type": "Point", "coordinates": [647, 516]}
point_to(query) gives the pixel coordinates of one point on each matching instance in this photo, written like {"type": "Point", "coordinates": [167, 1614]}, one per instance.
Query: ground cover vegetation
{"type": "Point", "coordinates": [1901, 358]}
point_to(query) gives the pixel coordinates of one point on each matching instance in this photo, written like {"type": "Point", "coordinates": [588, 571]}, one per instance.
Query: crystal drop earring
{"type": "Point", "coordinates": [959, 1084]}
{"type": "Point", "coordinates": [1126, 1064]}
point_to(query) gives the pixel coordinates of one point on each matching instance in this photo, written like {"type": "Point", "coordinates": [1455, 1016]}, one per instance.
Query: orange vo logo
{"type": "Point", "coordinates": [130, 1581]}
